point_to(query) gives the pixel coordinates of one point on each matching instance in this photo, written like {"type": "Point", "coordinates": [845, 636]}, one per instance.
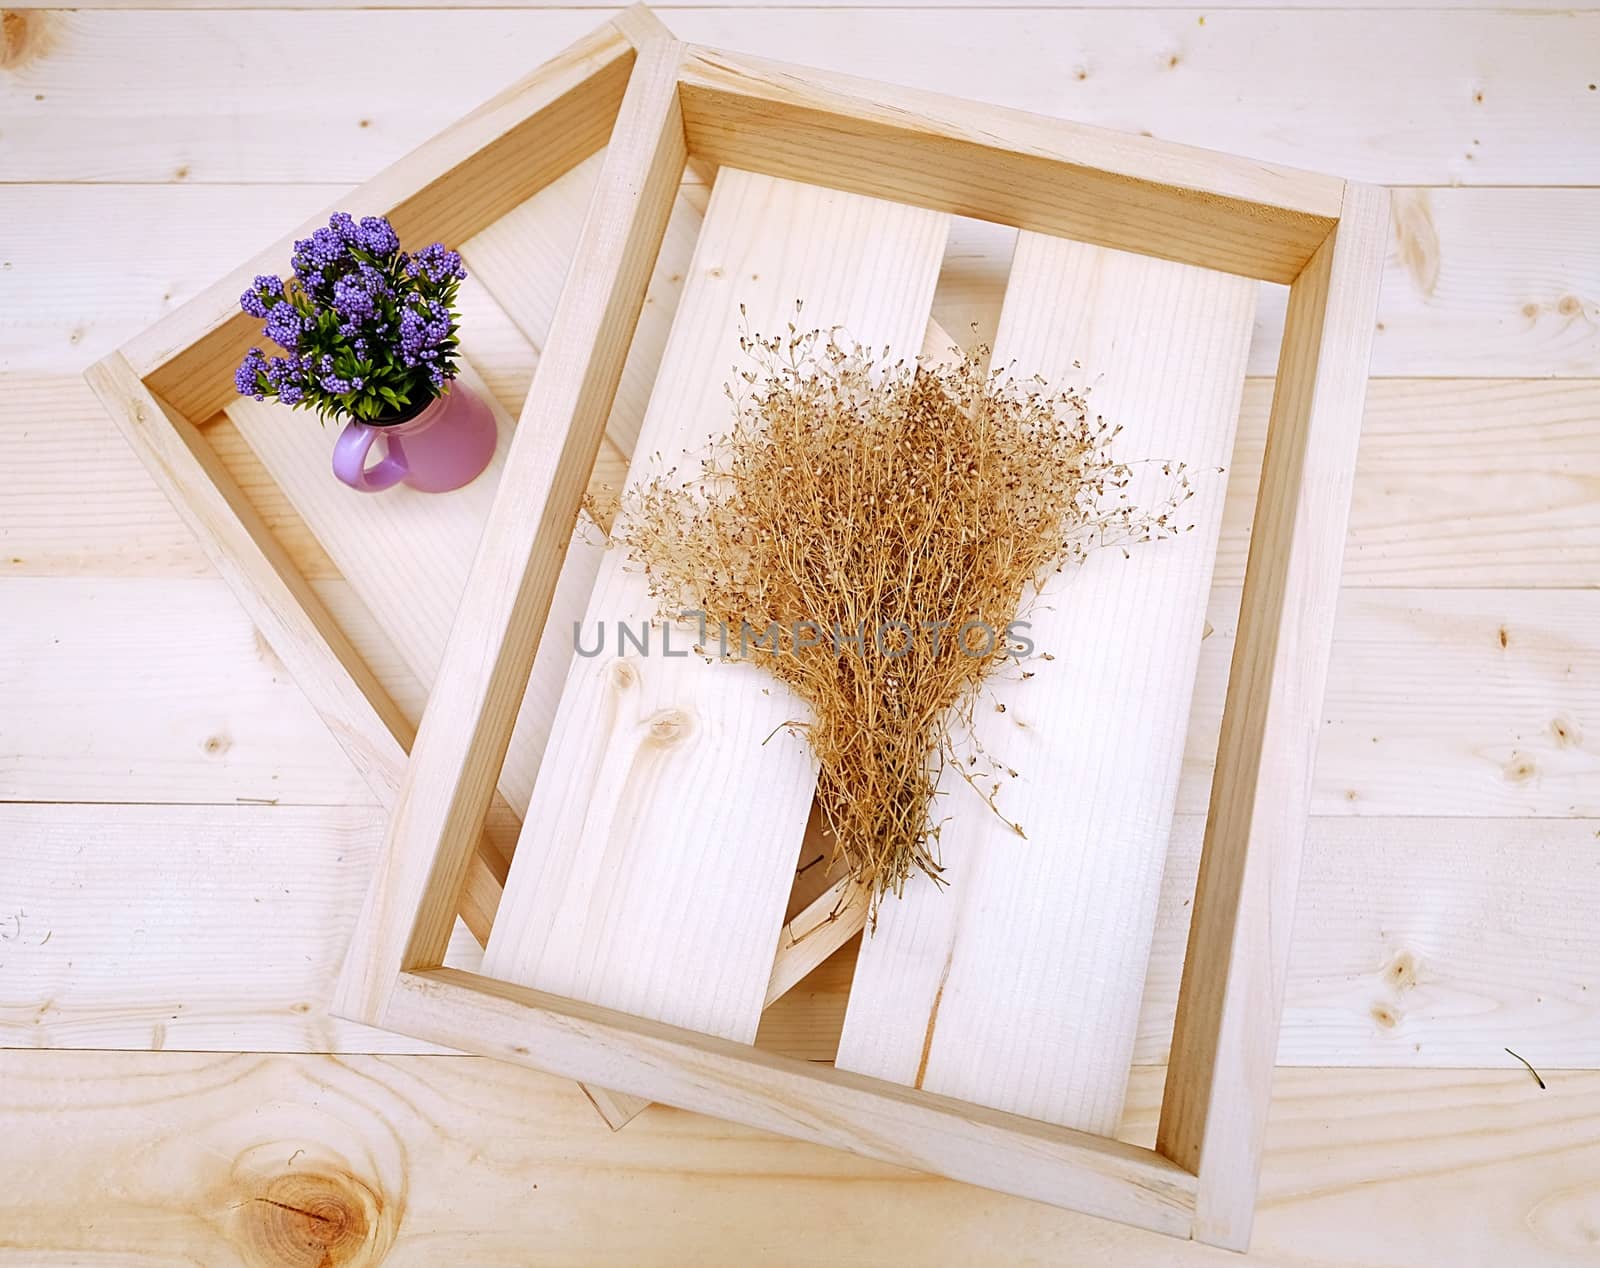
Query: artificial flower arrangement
{"type": "Point", "coordinates": [368, 333]}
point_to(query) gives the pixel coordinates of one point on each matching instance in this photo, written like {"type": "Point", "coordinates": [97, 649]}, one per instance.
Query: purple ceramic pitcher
{"type": "Point", "coordinates": [444, 447]}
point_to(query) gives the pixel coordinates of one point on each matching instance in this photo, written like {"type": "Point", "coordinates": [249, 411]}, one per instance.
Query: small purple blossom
{"type": "Point", "coordinates": [315, 255]}
{"type": "Point", "coordinates": [353, 302]}
{"type": "Point", "coordinates": [378, 236]}
{"type": "Point", "coordinates": [344, 224]}
{"type": "Point", "coordinates": [284, 326]}
{"type": "Point", "coordinates": [422, 331]}
{"type": "Point", "coordinates": [437, 263]}
{"type": "Point", "coordinates": [375, 280]}
{"type": "Point", "coordinates": [287, 376]}
{"type": "Point", "coordinates": [264, 292]}
{"type": "Point", "coordinates": [247, 378]}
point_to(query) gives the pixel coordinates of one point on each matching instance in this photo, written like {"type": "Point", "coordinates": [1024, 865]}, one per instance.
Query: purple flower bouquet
{"type": "Point", "coordinates": [368, 331]}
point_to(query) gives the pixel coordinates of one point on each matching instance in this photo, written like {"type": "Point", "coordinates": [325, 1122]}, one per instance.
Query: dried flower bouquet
{"type": "Point", "coordinates": [873, 533]}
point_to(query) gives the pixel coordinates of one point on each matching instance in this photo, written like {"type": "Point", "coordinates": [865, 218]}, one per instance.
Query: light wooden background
{"type": "Point", "coordinates": [182, 847]}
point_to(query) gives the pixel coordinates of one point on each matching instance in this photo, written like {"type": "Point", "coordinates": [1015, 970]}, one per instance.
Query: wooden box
{"type": "Point", "coordinates": [641, 928]}
{"type": "Point", "coordinates": [355, 595]}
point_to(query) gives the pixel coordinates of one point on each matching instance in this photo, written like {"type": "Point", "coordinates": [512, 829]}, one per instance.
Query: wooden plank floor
{"type": "Point", "coordinates": [183, 846]}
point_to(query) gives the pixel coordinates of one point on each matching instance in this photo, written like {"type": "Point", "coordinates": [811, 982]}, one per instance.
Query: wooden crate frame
{"type": "Point", "coordinates": [671, 103]}
{"type": "Point", "coordinates": [164, 386]}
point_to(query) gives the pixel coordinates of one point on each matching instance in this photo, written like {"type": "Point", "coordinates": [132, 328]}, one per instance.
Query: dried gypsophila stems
{"type": "Point", "coordinates": [859, 523]}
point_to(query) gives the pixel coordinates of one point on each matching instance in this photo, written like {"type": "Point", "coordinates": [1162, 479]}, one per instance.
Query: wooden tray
{"type": "Point", "coordinates": [253, 481]}
{"type": "Point", "coordinates": [989, 1028]}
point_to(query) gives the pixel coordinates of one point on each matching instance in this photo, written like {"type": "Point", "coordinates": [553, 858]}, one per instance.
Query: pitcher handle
{"type": "Point", "coordinates": [350, 459]}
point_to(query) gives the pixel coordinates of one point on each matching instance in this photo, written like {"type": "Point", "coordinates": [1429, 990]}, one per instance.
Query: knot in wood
{"type": "Point", "coordinates": [669, 726]}
{"type": "Point", "coordinates": [311, 1220]}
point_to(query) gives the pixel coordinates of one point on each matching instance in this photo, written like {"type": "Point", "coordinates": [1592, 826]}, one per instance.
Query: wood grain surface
{"type": "Point", "coordinates": [185, 847]}
{"type": "Point", "coordinates": [665, 739]}
{"type": "Point", "coordinates": [1016, 986]}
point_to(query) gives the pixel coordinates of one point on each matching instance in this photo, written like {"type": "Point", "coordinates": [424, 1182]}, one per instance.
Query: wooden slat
{"type": "Point", "coordinates": [1099, 186]}
{"type": "Point", "coordinates": [672, 9]}
{"type": "Point", "coordinates": [1459, 483]}
{"type": "Point", "coordinates": [1419, 942]}
{"type": "Point", "coordinates": [666, 833]}
{"type": "Point", "coordinates": [79, 439]}
{"type": "Point", "coordinates": [1478, 282]}
{"type": "Point", "coordinates": [1440, 702]}
{"type": "Point", "coordinates": [1427, 713]}
{"type": "Point", "coordinates": [272, 503]}
{"type": "Point", "coordinates": [69, 249]}
{"type": "Point", "coordinates": [227, 1159]}
{"type": "Point", "coordinates": [1017, 986]}
{"type": "Point", "coordinates": [135, 96]}
{"type": "Point", "coordinates": [814, 933]}
{"type": "Point", "coordinates": [122, 691]}
{"type": "Point", "coordinates": [56, 438]}
{"type": "Point", "coordinates": [490, 652]}
{"type": "Point", "coordinates": [814, 1103]}
{"type": "Point", "coordinates": [1213, 1118]}
{"type": "Point", "coordinates": [77, 312]}
{"type": "Point", "coordinates": [1479, 277]}
{"type": "Point", "coordinates": [185, 927]}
